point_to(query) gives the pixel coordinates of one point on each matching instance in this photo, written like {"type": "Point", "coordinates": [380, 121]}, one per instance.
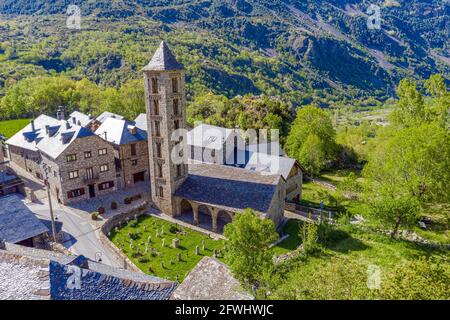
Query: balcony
{"type": "Point", "coordinates": [91, 179]}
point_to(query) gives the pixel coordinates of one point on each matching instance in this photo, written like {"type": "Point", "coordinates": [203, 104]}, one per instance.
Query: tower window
{"type": "Point", "coordinates": [154, 85]}
{"type": "Point", "coordinates": [156, 107]}
{"type": "Point", "coordinates": [176, 124]}
{"type": "Point", "coordinates": [158, 150]}
{"type": "Point", "coordinates": [178, 170]}
{"type": "Point", "coordinates": [157, 129]}
{"type": "Point", "coordinates": [176, 110]}
{"type": "Point", "coordinates": [160, 173]}
{"type": "Point", "coordinates": [174, 85]}
{"type": "Point", "coordinates": [133, 149]}
{"type": "Point", "coordinates": [160, 192]}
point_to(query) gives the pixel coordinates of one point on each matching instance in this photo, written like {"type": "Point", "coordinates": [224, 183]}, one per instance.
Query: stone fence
{"type": "Point", "coordinates": [115, 221]}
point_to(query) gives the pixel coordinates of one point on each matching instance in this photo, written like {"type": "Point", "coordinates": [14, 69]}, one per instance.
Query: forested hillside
{"type": "Point", "coordinates": [300, 51]}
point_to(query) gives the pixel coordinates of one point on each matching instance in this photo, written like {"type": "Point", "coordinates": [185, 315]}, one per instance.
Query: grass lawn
{"type": "Point", "coordinates": [8, 128]}
{"type": "Point", "coordinates": [291, 228]}
{"type": "Point", "coordinates": [163, 261]}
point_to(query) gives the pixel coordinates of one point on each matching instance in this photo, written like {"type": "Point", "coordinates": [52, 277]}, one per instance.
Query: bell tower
{"type": "Point", "coordinates": [165, 101]}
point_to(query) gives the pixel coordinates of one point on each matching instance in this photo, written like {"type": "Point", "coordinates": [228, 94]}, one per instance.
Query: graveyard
{"type": "Point", "coordinates": [164, 249]}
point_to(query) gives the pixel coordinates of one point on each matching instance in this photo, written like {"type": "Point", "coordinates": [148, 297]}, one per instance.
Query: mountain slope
{"type": "Point", "coordinates": [300, 50]}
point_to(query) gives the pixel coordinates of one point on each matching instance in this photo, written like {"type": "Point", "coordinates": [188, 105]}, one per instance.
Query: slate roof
{"type": "Point", "coordinates": [270, 164]}
{"type": "Point", "coordinates": [163, 60]}
{"type": "Point", "coordinates": [27, 138]}
{"type": "Point", "coordinates": [118, 131]}
{"type": "Point", "coordinates": [80, 118]}
{"type": "Point", "coordinates": [105, 115]}
{"type": "Point", "coordinates": [229, 188]}
{"type": "Point", "coordinates": [60, 137]}
{"type": "Point", "coordinates": [17, 222]}
{"type": "Point", "coordinates": [205, 135]}
{"type": "Point", "coordinates": [141, 121]}
{"type": "Point", "coordinates": [210, 280]}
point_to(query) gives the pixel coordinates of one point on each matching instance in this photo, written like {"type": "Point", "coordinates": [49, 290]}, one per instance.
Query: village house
{"type": "Point", "coordinates": [77, 163]}
{"type": "Point", "coordinates": [130, 150]}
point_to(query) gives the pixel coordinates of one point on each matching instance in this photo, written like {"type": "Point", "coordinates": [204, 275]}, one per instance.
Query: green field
{"type": "Point", "coordinates": [8, 128]}
{"type": "Point", "coordinates": [163, 262]}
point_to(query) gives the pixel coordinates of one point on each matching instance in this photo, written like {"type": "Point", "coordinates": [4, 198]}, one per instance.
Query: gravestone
{"type": "Point", "coordinates": [175, 243]}
{"type": "Point", "coordinates": [203, 245]}
{"type": "Point", "coordinates": [197, 250]}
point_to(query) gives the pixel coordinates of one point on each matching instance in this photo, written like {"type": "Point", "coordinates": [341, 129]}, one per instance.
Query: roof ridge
{"type": "Point", "coordinates": [163, 59]}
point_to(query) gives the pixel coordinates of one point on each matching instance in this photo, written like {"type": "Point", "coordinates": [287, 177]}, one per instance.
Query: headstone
{"type": "Point", "coordinates": [171, 260]}
{"type": "Point", "coordinates": [146, 248]}
{"type": "Point", "coordinates": [163, 242]}
{"type": "Point", "coordinates": [203, 245]}
{"type": "Point", "coordinates": [157, 234]}
{"type": "Point", "coordinates": [197, 250]}
{"type": "Point", "coordinates": [175, 243]}
{"type": "Point", "coordinates": [149, 239]}
{"type": "Point", "coordinates": [162, 230]}
{"type": "Point", "coordinates": [179, 257]}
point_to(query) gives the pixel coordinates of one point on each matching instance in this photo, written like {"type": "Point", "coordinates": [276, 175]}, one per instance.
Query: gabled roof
{"type": "Point", "coordinates": [163, 60]}
{"type": "Point", "coordinates": [229, 188]}
{"type": "Point", "coordinates": [141, 121]}
{"type": "Point", "coordinates": [210, 280]}
{"type": "Point", "coordinates": [119, 131]}
{"type": "Point", "coordinates": [27, 138]}
{"type": "Point", "coordinates": [205, 135]}
{"type": "Point", "coordinates": [80, 118]}
{"type": "Point", "coordinates": [60, 138]}
{"type": "Point", "coordinates": [105, 115]}
{"type": "Point", "coordinates": [17, 222]}
{"type": "Point", "coordinates": [270, 164]}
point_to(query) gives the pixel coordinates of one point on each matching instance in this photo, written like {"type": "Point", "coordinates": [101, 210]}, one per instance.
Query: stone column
{"type": "Point", "coordinates": [214, 219]}
{"type": "Point", "coordinates": [195, 211]}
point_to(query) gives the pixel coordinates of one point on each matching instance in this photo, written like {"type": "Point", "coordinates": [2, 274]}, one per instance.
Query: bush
{"type": "Point", "coordinates": [101, 210]}
{"type": "Point", "coordinates": [94, 215]}
{"type": "Point", "coordinates": [174, 229]}
{"type": "Point", "coordinates": [143, 260]}
{"type": "Point", "coordinates": [114, 205]}
{"type": "Point", "coordinates": [127, 200]}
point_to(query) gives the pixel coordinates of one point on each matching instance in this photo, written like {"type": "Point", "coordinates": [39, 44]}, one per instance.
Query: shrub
{"type": "Point", "coordinates": [143, 260]}
{"type": "Point", "coordinates": [127, 200]}
{"type": "Point", "coordinates": [101, 210]}
{"type": "Point", "coordinates": [94, 215]}
{"type": "Point", "coordinates": [113, 205]}
{"type": "Point", "coordinates": [173, 229]}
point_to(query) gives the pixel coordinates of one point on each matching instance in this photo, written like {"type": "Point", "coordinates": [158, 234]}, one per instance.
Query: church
{"type": "Point", "coordinates": [212, 189]}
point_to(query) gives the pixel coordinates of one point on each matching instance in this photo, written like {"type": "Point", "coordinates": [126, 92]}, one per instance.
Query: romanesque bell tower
{"type": "Point", "coordinates": [165, 102]}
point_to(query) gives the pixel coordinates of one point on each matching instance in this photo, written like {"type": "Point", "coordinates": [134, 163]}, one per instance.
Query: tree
{"type": "Point", "coordinates": [312, 138]}
{"type": "Point", "coordinates": [247, 250]}
{"type": "Point", "coordinates": [420, 279]}
{"type": "Point", "coordinates": [410, 108]}
{"type": "Point", "coordinates": [395, 211]}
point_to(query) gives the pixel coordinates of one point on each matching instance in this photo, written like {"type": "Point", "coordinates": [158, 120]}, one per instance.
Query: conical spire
{"type": "Point", "coordinates": [163, 60]}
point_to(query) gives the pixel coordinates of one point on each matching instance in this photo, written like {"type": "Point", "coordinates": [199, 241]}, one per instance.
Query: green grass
{"type": "Point", "coordinates": [291, 228]}
{"type": "Point", "coordinates": [159, 264]}
{"type": "Point", "coordinates": [8, 128]}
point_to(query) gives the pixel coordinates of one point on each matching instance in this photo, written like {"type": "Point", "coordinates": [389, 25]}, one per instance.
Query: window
{"type": "Point", "coordinates": [106, 185]}
{"type": "Point", "coordinates": [134, 162]}
{"type": "Point", "coordinates": [102, 152]}
{"type": "Point", "coordinates": [75, 193]}
{"type": "Point", "coordinates": [73, 174]}
{"type": "Point", "coordinates": [157, 129]}
{"type": "Point", "coordinates": [174, 85]}
{"type": "Point", "coordinates": [55, 174]}
{"type": "Point", "coordinates": [133, 149]}
{"type": "Point", "coordinates": [156, 107]}
{"type": "Point", "coordinates": [176, 124]}
{"type": "Point", "coordinates": [104, 168]}
{"type": "Point", "coordinates": [89, 173]}
{"type": "Point", "coordinates": [159, 172]}
{"type": "Point", "coordinates": [158, 150]}
{"type": "Point", "coordinates": [154, 85]}
{"type": "Point", "coordinates": [87, 154]}
{"type": "Point", "coordinates": [71, 157]}
{"type": "Point", "coordinates": [175, 107]}
{"type": "Point", "coordinates": [161, 192]}
{"type": "Point", "coordinates": [179, 170]}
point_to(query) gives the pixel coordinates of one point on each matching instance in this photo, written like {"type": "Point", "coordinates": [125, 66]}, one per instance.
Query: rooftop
{"type": "Point", "coordinates": [119, 131]}
{"type": "Point", "coordinates": [270, 164]}
{"type": "Point", "coordinates": [80, 118]}
{"type": "Point", "coordinates": [229, 188]}
{"type": "Point", "coordinates": [163, 60]}
{"type": "Point", "coordinates": [141, 121]}
{"type": "Point", "coordinates": [205, 135]}
{"type": "Point", "coordinates": [105, 115]}
{"type": "Point", "coordinates": [17, 222]}
{"type": "Point", "coordinates": [210, 280]}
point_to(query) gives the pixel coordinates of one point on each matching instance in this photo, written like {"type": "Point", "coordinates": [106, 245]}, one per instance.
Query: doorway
{"type": "Point", "coordinates": [138, 177]}
{"type": "Point", "coordinates": [91, 191]}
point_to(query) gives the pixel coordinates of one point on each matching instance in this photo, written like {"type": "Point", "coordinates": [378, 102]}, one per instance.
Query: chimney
{"type": "Point", "coordinates": [79, 123]}
{"type": "Point", "coordinates": [67, 125]}
{"type": "Point", "coordinates": [133, 130]}
{"type": "Point", "coordinates": [90, 116]}
{"type": "Point", "coordinates": [74, 120]}
{"type": "Point", "coordinates": [47, 129]}
{"type": "Point", "coordinates": [60, 114]}
{"type": "Point", "coordinates": [106, 135]}
{"type": "Point", "coordinates": [32, 126]}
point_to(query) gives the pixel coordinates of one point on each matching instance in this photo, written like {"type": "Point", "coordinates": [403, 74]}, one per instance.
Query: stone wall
{"type": "Point", "coordinates": [26, 159]}
{"type": "Point", "coordinates": [126, 159]}
{"type": "Point", "coordinates": [59, 169]}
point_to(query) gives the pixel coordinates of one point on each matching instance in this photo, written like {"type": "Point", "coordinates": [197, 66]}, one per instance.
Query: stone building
{"type": "Point", "coordinates": [22, 146]}
{"type": "Point", "coordinates": [130, 150]}
{"type": "Point", "coordinates": [78, 164]}
{"type": "Point", "coordinates": [207, 189]}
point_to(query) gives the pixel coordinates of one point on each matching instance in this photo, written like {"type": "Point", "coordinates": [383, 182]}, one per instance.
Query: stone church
{"type": "Point", "coordinates": [216, 192]}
